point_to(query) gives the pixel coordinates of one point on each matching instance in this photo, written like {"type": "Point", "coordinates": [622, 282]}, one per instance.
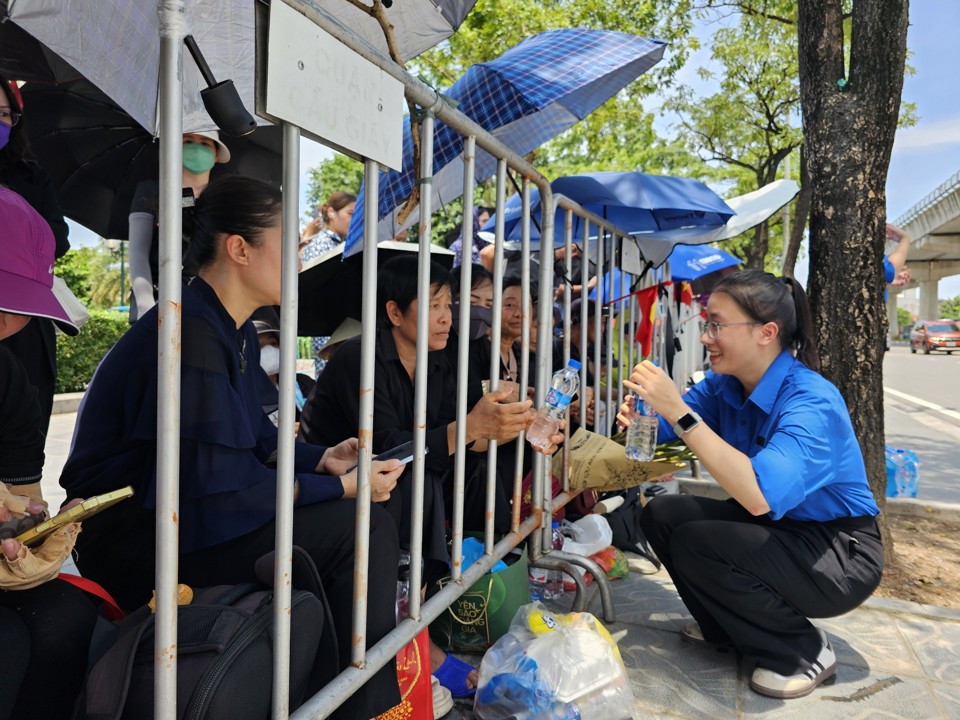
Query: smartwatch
{"type": "Point", "coordinates": [685, 423]}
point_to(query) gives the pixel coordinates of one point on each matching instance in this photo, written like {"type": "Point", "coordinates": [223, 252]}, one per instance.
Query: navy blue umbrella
{"type": "Point", "coordinates": [635, 202]}
{"type": "Point", "coordinates": [689, 262]}
{"type": "Point", "coordinates": [528, 95]}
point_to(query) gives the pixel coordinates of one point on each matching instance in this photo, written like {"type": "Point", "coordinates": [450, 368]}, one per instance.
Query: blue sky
{"type": "Point", "coordinates": [923, 156]}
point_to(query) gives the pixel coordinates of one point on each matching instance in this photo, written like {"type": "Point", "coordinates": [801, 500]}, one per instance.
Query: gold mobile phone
{"type": "Point", "coordinates": [88, 508]}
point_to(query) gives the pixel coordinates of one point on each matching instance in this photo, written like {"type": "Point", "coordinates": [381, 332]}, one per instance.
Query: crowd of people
{"type": "Point", "coordinates": [773, 432]}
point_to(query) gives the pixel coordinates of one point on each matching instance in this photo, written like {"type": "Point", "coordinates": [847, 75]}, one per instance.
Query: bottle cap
{"type": "Point", "coordinates": [574, 364]}
{"type": "Point", "coordinates": [556, 523]}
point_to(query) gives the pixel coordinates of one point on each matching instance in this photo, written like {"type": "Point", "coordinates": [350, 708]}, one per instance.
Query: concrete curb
{"type": "Point", "coordinates": [900, 507]}
{"type": "Point", "coordinates": [66, 403]}
{"type": "Point", "coordinates": [905, 607]}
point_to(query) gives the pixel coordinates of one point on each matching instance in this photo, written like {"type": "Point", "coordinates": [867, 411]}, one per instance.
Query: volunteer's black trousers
{"type": "Point", "coordinates": [754, 581]}
{"type": "Point", "coordinates": [116, 549]}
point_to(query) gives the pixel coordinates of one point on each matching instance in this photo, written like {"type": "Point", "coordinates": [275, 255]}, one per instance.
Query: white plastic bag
{"type": "Point", "coordinates": [591, 534]}
{"type": "Point", "coordinates": [552, 666]}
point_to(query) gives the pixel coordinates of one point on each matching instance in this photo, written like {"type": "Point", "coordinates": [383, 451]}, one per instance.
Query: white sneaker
{"type": "Point", "coordinates": [442, 699]}
{"type": "Point", "coordinates": [824, 670]}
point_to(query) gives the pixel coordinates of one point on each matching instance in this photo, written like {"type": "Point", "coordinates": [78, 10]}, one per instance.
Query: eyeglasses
{"type": "Point", "coordinates": [10, 117]}
{"type": "Point", "coordinates": [712, 329]}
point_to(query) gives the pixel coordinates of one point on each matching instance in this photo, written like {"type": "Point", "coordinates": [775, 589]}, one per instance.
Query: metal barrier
{"type": "Point", "coordinates": [364, 661]}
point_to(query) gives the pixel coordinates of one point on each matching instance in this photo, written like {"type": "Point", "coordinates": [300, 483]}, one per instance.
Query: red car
{"type": "Point", "coordinates": [933, 335]}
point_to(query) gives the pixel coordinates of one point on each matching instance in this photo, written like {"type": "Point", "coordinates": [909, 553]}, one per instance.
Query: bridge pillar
{"type": "Point", "coordinates": [929, 303]}
{"type": "Point", "coordinates": [893, 327]}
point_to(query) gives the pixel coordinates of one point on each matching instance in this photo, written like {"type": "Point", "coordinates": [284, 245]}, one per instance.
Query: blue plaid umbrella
{"type": "Point", "coordinates": [635, 202]}
{"type": "Point", "coordinates": [531, 93]}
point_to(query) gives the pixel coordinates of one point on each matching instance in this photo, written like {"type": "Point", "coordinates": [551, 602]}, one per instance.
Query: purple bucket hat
{"type": "Point", "coordinates": [26, 263]}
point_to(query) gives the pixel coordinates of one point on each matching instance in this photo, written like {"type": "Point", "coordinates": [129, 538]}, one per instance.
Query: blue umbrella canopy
{"type": "Point", "coordinates": [633, 201]}
{"type": "Point", "coordinates": [689, 262]}
{"type": "Point", "coordinates": [531, 93]}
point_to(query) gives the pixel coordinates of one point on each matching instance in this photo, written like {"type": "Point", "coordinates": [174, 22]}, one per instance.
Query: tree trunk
{"type": "Point", "coordinates": [757, 252]}
{"type": "Point", "coordinates": [849, 125]}
{"type": "Point", "coordinates": [801, 211]}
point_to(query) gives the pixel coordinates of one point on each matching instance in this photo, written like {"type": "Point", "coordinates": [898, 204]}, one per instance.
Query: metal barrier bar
{"type": "Point", "coordinates": [368, 346]}
{"type": "Point", "coordinates": [608, 331]}
{"type": "Point", "coordinates": [496, 330]}
{"type": "Point", "coordinates": [172, 31]}
{"type": "Point", "coordinates": [524, 359]}
{"type": "Point", "coordinates": [567, 293]}
{"type": "Point", "coordinates": [463, 357]}
{"type": "Point", "coordinates": [625, 280]}
{"type": "Point", "coordinates": [420, 376]}
{"type": "Point", "coordinates": [541, 487]}
{"type": "Point", "coordinates": [598, 334]}
{"type": "Point", "coordinates": [283, 533]}
{"type": "Point", "coordinates": [584, 314]}
{"type": "Point", "coordinates": [347, 682]}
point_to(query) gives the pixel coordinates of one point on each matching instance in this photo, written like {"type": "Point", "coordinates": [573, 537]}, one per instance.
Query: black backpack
{"type": "Point", "coordinates": [225, 652]}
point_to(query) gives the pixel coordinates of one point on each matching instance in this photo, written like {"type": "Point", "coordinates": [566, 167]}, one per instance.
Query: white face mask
{"type": "Point", "coordinates": [270, 359]}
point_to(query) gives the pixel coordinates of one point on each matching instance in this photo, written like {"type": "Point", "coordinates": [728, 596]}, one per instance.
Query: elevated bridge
{"type": "Point", "coordinates": [934, 225]}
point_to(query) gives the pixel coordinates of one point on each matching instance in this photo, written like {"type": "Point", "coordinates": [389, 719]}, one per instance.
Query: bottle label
{"type": "Point", "coordinates": [558, 399]}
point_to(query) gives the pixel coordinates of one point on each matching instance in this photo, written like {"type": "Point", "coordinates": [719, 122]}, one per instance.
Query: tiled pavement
{"type": "Point", "coordinates": [896, 660]}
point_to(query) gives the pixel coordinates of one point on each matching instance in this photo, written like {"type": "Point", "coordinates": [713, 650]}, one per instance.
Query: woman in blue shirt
{"type": "Point", "coordinates": [227, 477]}
{"type": "Point", "coordinates": [798, 538]}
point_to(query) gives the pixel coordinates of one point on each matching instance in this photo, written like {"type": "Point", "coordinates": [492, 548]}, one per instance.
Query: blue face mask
{"type": "Point", "coordinates": [4, 134]}
{"type": "Point", "coordinates": [198, 159]}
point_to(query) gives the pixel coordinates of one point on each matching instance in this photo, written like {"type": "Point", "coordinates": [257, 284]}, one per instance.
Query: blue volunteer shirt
{"type": "Point", "coordinates": [796, 430]}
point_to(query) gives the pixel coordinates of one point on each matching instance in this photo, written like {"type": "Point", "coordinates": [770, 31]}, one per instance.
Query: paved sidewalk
{"type": "Point", "coordinates": [896, 659]}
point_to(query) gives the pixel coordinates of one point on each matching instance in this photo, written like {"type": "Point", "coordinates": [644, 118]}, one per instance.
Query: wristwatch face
{"type": "Point", "coordinates": [688, 421]}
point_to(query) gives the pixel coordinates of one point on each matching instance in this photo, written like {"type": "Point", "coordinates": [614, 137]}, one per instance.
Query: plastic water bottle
{"type": "Point", "coordinates": [538, 583]}
{"type": "Point", "coordinates": [641, 442]}
{"type": "Point", "coordinates": [612, 701]}
{"type": "Point", "coordinates": [554, 588]}
{"type": "Point", "coordinates": [547, 422]}
{"type": "Point", "coordinates": [903, 474]}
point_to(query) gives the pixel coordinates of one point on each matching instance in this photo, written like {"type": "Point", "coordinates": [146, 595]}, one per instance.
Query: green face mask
{"type": "Point", "coordinates": [198, 159]}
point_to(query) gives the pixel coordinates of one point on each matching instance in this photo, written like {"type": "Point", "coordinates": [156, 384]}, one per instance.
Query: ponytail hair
{"type": "Point", "coordinates": [767, 298]}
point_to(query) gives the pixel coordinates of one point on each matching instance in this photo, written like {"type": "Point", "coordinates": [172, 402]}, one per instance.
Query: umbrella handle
{"type": "Point", "coordinates": [199, 60]}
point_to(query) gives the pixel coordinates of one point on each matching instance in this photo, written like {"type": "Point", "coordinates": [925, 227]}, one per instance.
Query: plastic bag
{"type": "Point", "coordinates": [611, 560]}
{"type": "Point", "coordinates": [903, 472]}
{"type": "Point", "coordinates": [587, 536]}
{"type": "Point", "coordinates": [553, 666]}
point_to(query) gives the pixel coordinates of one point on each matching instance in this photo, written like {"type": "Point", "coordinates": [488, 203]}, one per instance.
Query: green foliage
{"type": "Point", "coordinates": [74, 269]}
{"type": "Point", "coordinates": [339, 172]}
{"type": "Point", "coordinates": [93, 274]}
{"type": "Point", "coordinates": [904, 317]}
{"type": "Point", "coordinates": [78, 357]}
{"type": "Point", "coordinates": [950, 308]}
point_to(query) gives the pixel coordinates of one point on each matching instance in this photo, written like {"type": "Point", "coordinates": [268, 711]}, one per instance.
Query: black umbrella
{"type": "Point", "coordinates": [331, 287]}
{"type": "Point", "coordinates": [23, 57]}
{"type": "Point", "coordinates": [96, 154]}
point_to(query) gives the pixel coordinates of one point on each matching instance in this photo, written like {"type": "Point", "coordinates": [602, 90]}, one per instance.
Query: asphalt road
{"type": "Point", "coordinates": [922, 413]}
